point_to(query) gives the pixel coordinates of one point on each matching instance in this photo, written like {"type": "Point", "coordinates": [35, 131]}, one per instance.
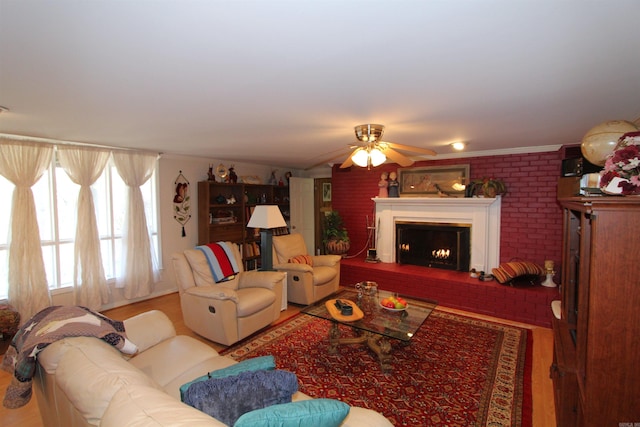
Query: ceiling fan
{"type": "Point", "coordinates": [372, 151]}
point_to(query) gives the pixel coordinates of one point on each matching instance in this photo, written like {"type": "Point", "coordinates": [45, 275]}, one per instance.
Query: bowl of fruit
{"type": "Point", "coordinates": [393, 303]}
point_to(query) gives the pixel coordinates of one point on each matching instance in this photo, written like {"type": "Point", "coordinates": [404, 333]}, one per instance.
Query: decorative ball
{"type": "Point", "coordinates": [602, 139]}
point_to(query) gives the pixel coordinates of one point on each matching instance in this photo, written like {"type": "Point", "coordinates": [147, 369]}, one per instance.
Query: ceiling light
{"type": "Point", "coordinates": [377, 157]}
{"type": "Point", "coordinates": [360, 157]}
{"type": "Point", "coordinates": [458, 146]}
{"type": "Point", "coordinates": [368, 156]}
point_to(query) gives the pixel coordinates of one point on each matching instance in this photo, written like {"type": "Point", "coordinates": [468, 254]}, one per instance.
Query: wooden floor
{"type": "Point", "coordinates": [542, 389]}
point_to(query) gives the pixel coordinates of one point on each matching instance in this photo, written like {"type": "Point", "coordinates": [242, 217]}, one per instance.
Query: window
{"type": "Point", "coordinates": [55, 198]}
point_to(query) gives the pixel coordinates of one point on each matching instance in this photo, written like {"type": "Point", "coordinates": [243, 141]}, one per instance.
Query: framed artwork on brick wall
{"type": "Point", "coordinates": [433, 181]}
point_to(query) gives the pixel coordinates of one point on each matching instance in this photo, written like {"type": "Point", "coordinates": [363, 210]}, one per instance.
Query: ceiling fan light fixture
{"type": "Point", "coordinates": [377, 157]}
{"type": "Point", "coordinates": [369, 132]}
{"type": "Point", "coordinates": [360, 157]}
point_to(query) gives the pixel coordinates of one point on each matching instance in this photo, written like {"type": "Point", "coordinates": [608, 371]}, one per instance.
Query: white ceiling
{"type": "Point", "coordinates": [283, 82]}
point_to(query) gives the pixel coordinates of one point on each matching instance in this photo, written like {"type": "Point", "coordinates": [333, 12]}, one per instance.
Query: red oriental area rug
{"type": "Point", "coordinates": [456, 371]}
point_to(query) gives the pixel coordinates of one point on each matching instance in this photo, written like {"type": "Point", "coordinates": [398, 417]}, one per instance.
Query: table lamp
{"type": "Point", "coordinates": [266, 217]}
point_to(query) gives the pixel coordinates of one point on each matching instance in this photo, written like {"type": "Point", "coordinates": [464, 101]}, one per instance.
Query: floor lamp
{"type": "Point", "coordinates": [266, 217]}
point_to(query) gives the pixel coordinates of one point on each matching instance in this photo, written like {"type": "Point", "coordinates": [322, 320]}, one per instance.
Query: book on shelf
{"type": "Point", "coordinates": [280, 231]}
{"type": "Point", "coordinates": [251, 249]}
{"type": "Point", "coordinates": [248, 250]}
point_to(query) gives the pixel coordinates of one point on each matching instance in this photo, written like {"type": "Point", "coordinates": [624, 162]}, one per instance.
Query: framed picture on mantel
{"type": "Point", "coordinates": [433, 181]}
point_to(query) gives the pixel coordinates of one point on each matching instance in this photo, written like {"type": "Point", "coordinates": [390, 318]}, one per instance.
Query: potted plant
{"type": "Point", "coordinates": [334, 236]}
{"type": "Point", "coordinates": [488, 187]}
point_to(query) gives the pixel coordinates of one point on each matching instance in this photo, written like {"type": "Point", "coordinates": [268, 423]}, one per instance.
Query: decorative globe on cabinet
{"type": "Point", "coordinates": [600, 140]}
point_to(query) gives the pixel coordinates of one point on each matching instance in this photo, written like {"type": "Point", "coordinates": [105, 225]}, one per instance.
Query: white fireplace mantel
{"type": "Point", "coordinates": [483, 214]}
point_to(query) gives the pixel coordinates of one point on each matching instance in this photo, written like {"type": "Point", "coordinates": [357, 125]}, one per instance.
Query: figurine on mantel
{"type": "Point", "coordinates": [382, 185]}
{"type": "Point", "coordinates": [393, 185]}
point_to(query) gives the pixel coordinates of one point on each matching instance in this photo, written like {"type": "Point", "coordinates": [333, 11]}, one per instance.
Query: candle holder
{"type": "Point", "coordinates": [548, 266]}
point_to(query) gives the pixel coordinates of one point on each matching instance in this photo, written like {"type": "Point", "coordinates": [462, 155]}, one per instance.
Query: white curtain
{"type": "Point", "coordinates": [139, 267]}
{"type": "Point", "coordinates": [84, 166]}
{"type": "Point", "coordinates": [23, 164]}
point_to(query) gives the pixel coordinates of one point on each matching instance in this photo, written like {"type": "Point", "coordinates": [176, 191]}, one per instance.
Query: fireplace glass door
{"type": "Point", "coordinates": [438, 245]}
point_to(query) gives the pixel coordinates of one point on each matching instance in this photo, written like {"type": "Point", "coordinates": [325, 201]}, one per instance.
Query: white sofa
{"type": "Point", "coordinates": [84, 381]}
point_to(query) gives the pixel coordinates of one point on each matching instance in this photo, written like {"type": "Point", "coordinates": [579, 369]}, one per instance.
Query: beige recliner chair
{"type": "Point", "coordinates": [309, 277]}
{"type": "Point", "coordinates": [226, 312]}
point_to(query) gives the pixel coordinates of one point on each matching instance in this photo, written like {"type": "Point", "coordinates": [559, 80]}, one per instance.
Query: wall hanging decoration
{"type": "Point", "coordinates": [181, 201]}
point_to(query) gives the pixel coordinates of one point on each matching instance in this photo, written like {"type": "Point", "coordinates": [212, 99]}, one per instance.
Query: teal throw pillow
{"type": "Point", "coordinates": [303, 413]}
{"type": "Point", "coordinates": [255, 364]}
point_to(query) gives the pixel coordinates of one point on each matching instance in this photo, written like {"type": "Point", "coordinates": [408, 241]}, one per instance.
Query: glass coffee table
{"type": "Point", "coordinates": [378, 324]}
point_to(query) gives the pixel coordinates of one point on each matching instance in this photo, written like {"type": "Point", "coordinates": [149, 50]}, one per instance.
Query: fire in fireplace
{"type": "Point", "coordinates": [430, 244]}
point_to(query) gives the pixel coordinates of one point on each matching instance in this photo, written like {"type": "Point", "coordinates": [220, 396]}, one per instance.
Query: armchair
{"type": "Point", "coordinates": [226, 312]}
{"type": "Point", "coordinates": [315, 278]}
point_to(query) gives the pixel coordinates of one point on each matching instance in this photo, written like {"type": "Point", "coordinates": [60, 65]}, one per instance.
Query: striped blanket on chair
{"type": "Point", "coordinates": [221, 261]}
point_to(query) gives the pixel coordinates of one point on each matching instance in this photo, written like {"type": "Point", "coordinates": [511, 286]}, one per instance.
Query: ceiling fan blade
{"type": "Point", "coordinates": [324, 162]}
{"type": "Point", "coordinates": [410, 148]}
{"type": "Point", "coordinates": [398, 158]}
{"type": "Point", "coordinates": [339, 153]}
{"type": "Point", "coordinates": [349, 161]}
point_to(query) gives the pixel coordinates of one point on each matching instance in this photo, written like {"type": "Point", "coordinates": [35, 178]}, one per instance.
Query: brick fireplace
{"type": "Point", "coordinates": [482, 215]}
{"type": "Point", "coordinates": [454, 289]}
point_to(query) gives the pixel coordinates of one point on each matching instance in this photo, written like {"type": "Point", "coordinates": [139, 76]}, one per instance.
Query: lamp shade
{"type": "Point", "coordinates": [266, 216]}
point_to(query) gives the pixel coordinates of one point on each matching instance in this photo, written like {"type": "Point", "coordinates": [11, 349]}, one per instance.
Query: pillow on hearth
{"type": "Point", "coordinates": [267, 363]}
{"type": "Point", "coordinates": [301, 259]}
{"type": "Point", "coordinates": [514, 269]}
{"type": "Point", "coordinates": [315, 412]}
{"type": "Point", "coordinates": [226, 399]}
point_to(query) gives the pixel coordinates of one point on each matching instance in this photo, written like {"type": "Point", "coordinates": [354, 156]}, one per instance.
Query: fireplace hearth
{"type": "Point", "coordinates": [437, 245]}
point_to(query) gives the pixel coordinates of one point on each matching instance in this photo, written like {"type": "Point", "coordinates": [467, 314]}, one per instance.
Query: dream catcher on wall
{"type": "Point", "coordinates": [181, 201]}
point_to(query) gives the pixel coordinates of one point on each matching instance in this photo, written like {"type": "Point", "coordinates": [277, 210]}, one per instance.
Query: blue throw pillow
{"type": "Point", "coordinates": [226, 399]}
{"type": "Point", "coordinates": [304, 413]}
{"type": "Point", "coordinates": [255, 364]}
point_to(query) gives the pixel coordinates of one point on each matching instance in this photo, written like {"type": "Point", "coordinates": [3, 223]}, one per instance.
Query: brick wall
{"type": "Point", "coordinates": [531, 225]}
